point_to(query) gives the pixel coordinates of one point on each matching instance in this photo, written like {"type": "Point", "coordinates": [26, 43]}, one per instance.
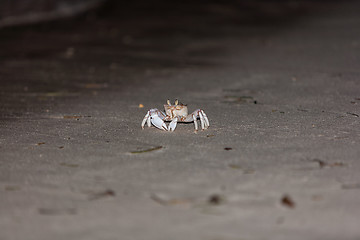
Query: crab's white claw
{"type": "Point", "coordinates": [146, 118]}
{"type": "Point", "coordinates": [157, 122]}
{"type": "Point", "coordinates": [172, 124]}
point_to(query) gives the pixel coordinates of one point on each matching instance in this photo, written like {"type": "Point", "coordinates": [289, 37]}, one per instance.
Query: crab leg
{"type": "Point", "coordinates": [204, 121]}
{"type": "Point", "coordinates": [195, 122]}
{"type": "Point", "coordinates": [148, 122]}
{"type": "Point", "coordinates": [146, 118]}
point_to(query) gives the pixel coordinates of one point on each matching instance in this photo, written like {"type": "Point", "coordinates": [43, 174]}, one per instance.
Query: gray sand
{"type": "Point", "coordinates": [280, 160]}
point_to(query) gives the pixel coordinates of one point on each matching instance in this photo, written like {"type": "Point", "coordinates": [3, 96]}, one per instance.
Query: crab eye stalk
{"type": "Point", "coordinates": [176, 102]}
{"type": "Point", "coordinates": [168, 102]}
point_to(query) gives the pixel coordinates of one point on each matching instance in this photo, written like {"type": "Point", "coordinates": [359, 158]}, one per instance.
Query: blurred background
{"type": "Point", "coordinates": [64, 45]}
{"type": "Point", "coordinates": [24, 12]}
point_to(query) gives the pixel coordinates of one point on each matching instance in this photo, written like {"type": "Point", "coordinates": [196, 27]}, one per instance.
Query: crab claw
{"type": "Point", "coordinates": [157, 122]}
{"type": "Point", "coordinates": [172, 124]}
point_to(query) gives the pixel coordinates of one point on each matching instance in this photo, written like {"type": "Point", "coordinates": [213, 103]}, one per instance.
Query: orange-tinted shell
{"type": "Point", "coordinates": [176, 110]}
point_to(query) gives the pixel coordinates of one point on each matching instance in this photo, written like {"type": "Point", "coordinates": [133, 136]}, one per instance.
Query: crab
{"type": "Point", "coordinates": [174, 114]}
